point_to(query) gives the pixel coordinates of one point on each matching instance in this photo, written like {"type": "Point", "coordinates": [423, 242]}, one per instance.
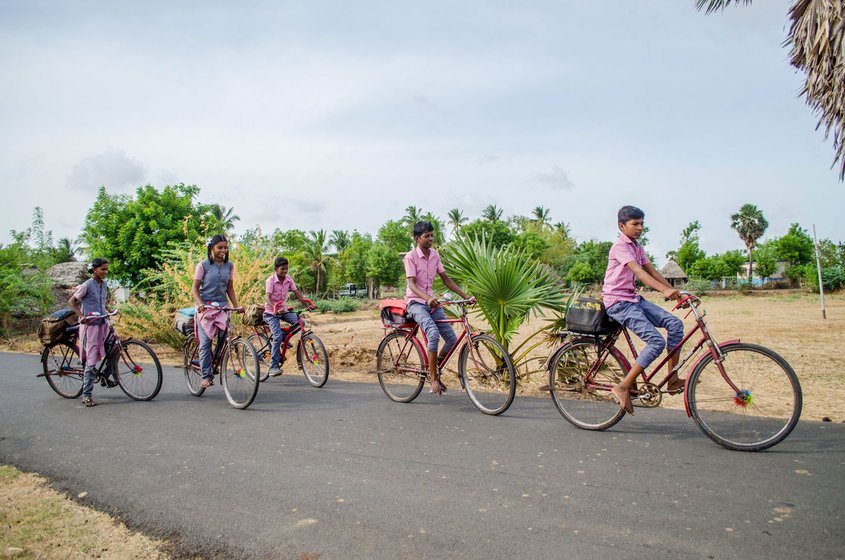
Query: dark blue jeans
{"type": "Point", "coordinates": [642, 317]}
{"type": "Point", "coordinates": [273, 321]}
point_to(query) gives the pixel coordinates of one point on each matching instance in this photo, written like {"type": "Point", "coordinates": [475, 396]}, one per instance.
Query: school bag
{"type": "Point", "coordinates": [394, 313]}
{"type": "Point", "coordinates": [253, 315]}
{"type": "Point", "coordinates": [184, 321]}
{"type": "Point", "coordinates": [587, 315]}
{"type": "Point", "coordinates": [52, 328]}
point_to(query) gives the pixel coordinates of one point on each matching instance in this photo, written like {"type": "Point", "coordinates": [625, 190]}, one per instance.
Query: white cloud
{"type": "Point", "coordinates": [114, 170]}
{"type": "Point", "coordinates": [557, 179]}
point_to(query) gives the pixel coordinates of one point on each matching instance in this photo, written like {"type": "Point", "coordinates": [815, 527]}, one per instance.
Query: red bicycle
{"type": "Point", "coordinates": [743, 396]}
{"type": "Point", "coordinates": [485, 368]}
{"type": "Point", "coordinates": [310, 352]}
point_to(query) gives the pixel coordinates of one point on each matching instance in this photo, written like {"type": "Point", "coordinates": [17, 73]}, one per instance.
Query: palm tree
{"type": "Point", "coordinates": [340, 239]}
{"type": "Point", "coordinates": [412, 216]}
{"type": "Point", "coordinates": [456, 219]}
{"type": "Point", "coordinates": [492, 213]}
{"type": "Point", "coordinates": [508, 285]}
{"type": "Point", "coordinates": [65, 251]}
{"type": "Point", "coordinates": [315, 250]}
{"type": "Point", "coordinates": [563, 228]}
{"type": "Point", "coordinates": [817, 48]}
{"type": "Point", "coordinates": [541, 216]}
{"type": "Point", "coordinates": [224, 215]}
{"type": "Point", "coordinates": [438, 227]}
{"type": "Point", "coordinates": [750, 224]}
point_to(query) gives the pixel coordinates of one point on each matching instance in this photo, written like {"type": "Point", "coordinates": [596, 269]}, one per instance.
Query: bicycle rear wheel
{"type": "Point", "coordinates": [137, 370]}
{"type": "Point", "coordinates": [240, 373]}
{"type": "Point", "coordinates": [581, 390]}
{"type": "Point", "coordinates": [191, 366]}
{"type": "Point", "coordinates": [262, 348]}
{"type": "Point", "coordinates": [488, 374]}
{"type": "Point", "coordinates": [750, 403]}
{"type": "Point", "coordinates": [313, 360]}
{"type": "Point", "coordinates": [63, 369]}
{"type": "Point", "coordinates": [400, 367]}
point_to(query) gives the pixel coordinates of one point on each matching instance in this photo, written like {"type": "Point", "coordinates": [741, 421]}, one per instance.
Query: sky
{"type": "Point", "coordinates": [339, 115]}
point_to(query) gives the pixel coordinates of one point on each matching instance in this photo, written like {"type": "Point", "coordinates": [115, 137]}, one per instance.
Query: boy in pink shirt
{"type": "Point", "coordinates": [627, 262]}
{"type": "Point", "coordinates": [276, 310]}
{"type": "Point", "coordinates": [422, 264]}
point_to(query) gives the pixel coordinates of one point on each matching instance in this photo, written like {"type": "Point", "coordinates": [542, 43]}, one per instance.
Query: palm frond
{"type": "Point", "coordinates": [711, 6]}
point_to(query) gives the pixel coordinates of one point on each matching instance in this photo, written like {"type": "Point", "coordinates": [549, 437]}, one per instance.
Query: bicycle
{"type": "Point", "coordinates": [745, 397]}
{"type": "Point", "coordinates": [310, 352]}
{"type": "Point", "coordinates": [131, 363]}
{"type": "Point", "coordinates": [485, 369]}
{"type": "Point", "coordinates": [233, 359]}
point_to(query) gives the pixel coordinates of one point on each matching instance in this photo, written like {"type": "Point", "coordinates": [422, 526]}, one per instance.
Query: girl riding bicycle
{"type": "Point", "coordinates": [93, 294]}
{"type": "Point", "coordinates": [275, 309]}
{"type": "Point", "coordinates": [213, 282]}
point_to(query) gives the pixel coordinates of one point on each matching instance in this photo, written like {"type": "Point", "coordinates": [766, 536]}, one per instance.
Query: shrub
{"type": "Point", "coordinates": [337, 306]}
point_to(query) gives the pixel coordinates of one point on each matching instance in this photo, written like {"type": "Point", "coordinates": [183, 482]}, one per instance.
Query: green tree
{"type": "Point", "coordinates": [456, 220]}
{"type": "Point", "coordinates": [353, 258]}
{"type": "Point", "coordinates": [395, 235]}
{"type": "Point", "coordinates": [581, 273]}
{"type": "Point", "coordinates": [340, 239]}
{"type": "Point", "coordinates": [492, 213]}
{"type": "Point", "coordinates": [689, 251]}
{"type": "Point", "coordinates": [796, 246]}
{"type": "Point", "coordinates": [816, 38]}
{"type": "Point", "coordinates": [134, 232]}
{"type": "Point", "coordinates": [315, 249]}
{"type": "Point", "coordinates": [221, 218]}
{"type": "Point", "coordinates": [750, 225]}
{"type": "Point", "coordinates": [542, 216]}
{"type": "Point", "coordinates": [499, 233]}
{"type": "Point", "coordinates": [384, 267]}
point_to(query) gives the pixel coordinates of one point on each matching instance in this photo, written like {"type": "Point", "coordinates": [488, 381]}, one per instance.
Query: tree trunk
{"type": "Point", "coordinates": [750, 264]}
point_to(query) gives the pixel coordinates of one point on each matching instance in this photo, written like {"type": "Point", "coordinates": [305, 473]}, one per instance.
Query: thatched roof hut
{"type": "Point", "coordinates": [673, 272]}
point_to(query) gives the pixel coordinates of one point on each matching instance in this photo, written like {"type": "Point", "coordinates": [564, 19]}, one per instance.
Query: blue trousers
{"type": "Point", "coordinates": [642, 317]}
{"type": "Point", "coordinates": [274, 322]}
{"type": "Point", "coordinates": [426, 318]}
{"type": "Point", "coordinates": [206, 355]}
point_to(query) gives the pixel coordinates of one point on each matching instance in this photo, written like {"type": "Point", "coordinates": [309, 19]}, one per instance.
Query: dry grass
{"type": "Point", "coordinates": [36, 522]}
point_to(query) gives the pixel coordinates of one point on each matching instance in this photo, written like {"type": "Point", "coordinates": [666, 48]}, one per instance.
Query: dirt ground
{"type": "Point", "coordinates": [789, 323]}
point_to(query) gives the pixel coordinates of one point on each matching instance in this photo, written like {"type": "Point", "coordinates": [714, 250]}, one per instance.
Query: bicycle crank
{"type": "Point", "coordinates": [648, 396]}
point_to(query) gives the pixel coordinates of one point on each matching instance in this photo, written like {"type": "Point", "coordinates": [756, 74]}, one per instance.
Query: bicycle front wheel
{"type": "Point", "coordinates": [749, 402]}
{"type": "Point", "coordinates": [240, 373]}
{"type": "Point", "coordinates": [400, 367]}
{"type": "Point", "coordinates": [580, 388]}
{"type": "Point", "coordinates": [313, 360]}
{"type": "Point", "coordinates": [488, 374]}
{"type": "Point", "coordinates": [63, 369]}
{"type": "Point", "coordinates": [137, 370]}
{"type": "Point", "coordinates": [262, 348]}
{"type": "Point", "coordinates": [191, 366]}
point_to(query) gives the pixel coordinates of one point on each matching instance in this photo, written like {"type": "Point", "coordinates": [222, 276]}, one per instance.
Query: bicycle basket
{"type": "Point", "coordinates": [253, 315]}
{"type": "Point", "coordinates": [394, 313]}
{"type": "Point", "coordinates": [587, 315]}
{"type": "Point", "coordinates": [184, 321]}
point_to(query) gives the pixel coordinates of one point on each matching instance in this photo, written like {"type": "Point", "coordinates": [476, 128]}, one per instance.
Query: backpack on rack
{"type": "Point", "coordinates": [253, 315]}
{"type": "Point", "coordinates": [52, 328]}
{"type": "Point", "coordinates": [587, 315]}
{"type": "Point", "coordinates": [184, 321]}
{"type": "Point", "coordinates": [394, 313]}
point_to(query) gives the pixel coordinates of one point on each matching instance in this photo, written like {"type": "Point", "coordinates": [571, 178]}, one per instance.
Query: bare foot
{"type": "Point", "coordinates": [436, 387]}
{"type": "Point", "coordinates": [623, 397]}
{"type": "Point", "coordinates": [675, 385]}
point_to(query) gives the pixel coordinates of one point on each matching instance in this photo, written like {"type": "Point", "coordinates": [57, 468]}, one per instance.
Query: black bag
{"type": "Point", "coordinates": [587, 315]}
{"type": "Point", "coordinates": [52, 328]}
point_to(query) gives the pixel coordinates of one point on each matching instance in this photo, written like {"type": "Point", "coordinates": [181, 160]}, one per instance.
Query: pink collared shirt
{"type": "Point", "coordinates": [278, 292]}
{"type": "Point", "coordinates": [423, 269]}
{"type": "Point", "coordinates": [619, 280]}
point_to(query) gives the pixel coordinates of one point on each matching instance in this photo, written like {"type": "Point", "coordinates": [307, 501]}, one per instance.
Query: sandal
{"type": "Point", "coordinates": [88, 402]}
{"type": "Point", "coordinates": [206, 383]}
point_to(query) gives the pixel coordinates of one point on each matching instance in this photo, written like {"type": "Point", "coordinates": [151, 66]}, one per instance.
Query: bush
{"type": "Point", "coordinates": [337, 306]}
{"type": "Point", "coordinates": [833, 278]}
{"type": "Point", "coordinates": [699, 286]}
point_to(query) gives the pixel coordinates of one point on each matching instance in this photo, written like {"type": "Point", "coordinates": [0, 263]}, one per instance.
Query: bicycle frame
{"type": "Point", "coordinates": [223, 344]}
{"type": "Point", "coordinates": [294, 328]}
{"type": "Point", "coordinates": [608, 345]}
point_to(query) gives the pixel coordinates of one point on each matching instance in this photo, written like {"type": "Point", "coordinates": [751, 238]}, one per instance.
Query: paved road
{"type": "Point", "coordinates": [346, 473]}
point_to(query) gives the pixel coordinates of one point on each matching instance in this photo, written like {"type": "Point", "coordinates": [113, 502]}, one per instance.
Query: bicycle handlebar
{"type": "Point", "coordinates": [95, 315]}
{"type": "Point", "coordinates": [468, 301]}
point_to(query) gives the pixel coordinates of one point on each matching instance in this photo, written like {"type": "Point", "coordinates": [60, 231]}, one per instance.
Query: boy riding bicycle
{"type": "Point", "coordinates": [626, 263]}
{"type": "Point", "coordinates": [275, 309]}
{"type": "Point", "coordinates": [422, 263]}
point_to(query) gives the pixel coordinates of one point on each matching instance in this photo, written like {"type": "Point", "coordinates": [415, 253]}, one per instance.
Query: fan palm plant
{"type": "Point", "coordinates": [507, 285]}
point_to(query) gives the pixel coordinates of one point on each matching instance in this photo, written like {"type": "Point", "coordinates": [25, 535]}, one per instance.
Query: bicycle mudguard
{"type": "Point", "coordinates": [695, 365]}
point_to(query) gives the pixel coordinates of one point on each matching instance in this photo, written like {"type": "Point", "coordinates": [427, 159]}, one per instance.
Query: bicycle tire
{"type": "Point", "coordinates": [239, 373]}
{"type": "Point", "coordinates": [401, 376]}
{"type": "Point", "coordinates": [137, 370]}
{"type": "Point", "coordinates": [313, 360]}
{"type": "Point", "coordinates": [488, 374]}
{"type": "Point", "coordinates": [588, 405]}
{"type": "Point", "coordinates": [262, 347]}
{"type": "Point", "coordinates": [191, 366]}
{"type": "Point", "coordinates": [63, 369]}
{"type": "Point", "coordinates": [761, 414]}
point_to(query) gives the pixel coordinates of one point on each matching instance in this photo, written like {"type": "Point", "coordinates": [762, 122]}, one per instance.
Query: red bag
{"type": "Point", "coordinates": [394, 313]}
